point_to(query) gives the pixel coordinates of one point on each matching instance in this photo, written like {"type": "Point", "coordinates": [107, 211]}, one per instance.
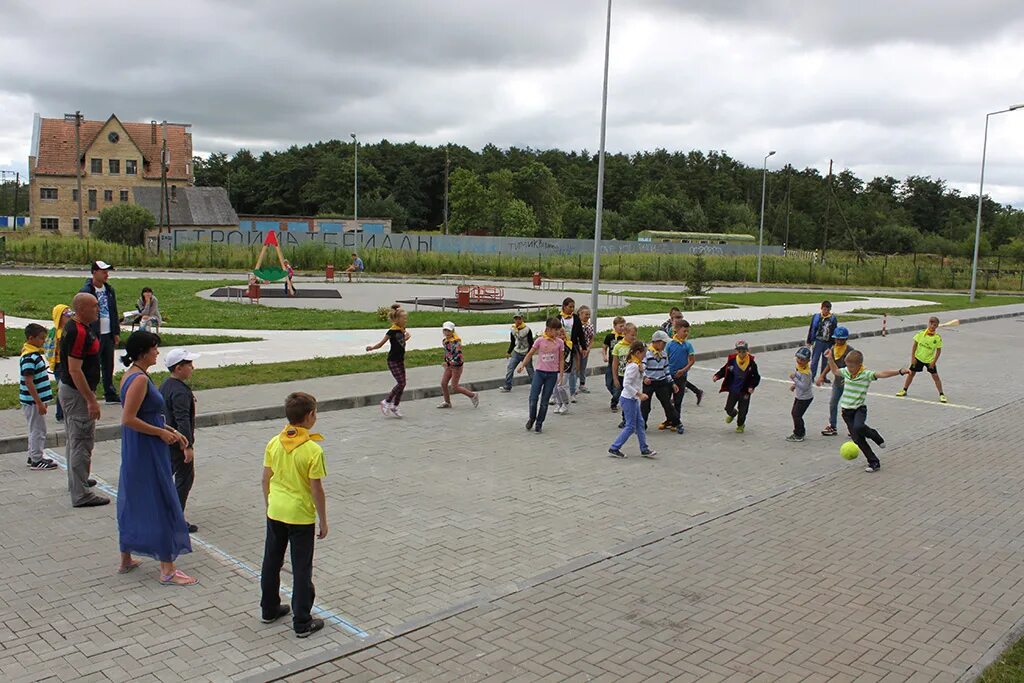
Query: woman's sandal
{"type": "Point", "coordinates": [178, 578]}
{"type": "Point", "coordinates": [124, 569]}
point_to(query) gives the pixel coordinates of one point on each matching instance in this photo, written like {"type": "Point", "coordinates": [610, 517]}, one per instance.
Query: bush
{"type": "Point", "coordinates": [124, 224]}
{"type": "Point", "coordinates": [697, 282]}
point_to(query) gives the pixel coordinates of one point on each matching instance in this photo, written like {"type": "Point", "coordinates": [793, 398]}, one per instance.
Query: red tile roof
{"type": "Point", "coordinates": [57, 146]}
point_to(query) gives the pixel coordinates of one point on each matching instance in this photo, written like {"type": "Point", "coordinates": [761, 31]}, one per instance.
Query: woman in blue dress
{"type": "Point", "coordinates": [149, 516]}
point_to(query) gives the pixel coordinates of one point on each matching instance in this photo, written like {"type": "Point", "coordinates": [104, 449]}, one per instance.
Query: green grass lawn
{"type": "Point", "coordinates": [1009, 668]}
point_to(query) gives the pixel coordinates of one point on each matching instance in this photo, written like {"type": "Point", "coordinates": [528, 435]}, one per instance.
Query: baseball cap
{"type": "Point", "coordinates": [101, 265]}
{"type": "Point", "coordinates": [518, 315]}
{"type": "Point", "coordinates": [660, 336]}
{"type": "Point", "coordinates": [449, 325]}
{"type": "Point", "coordinates": [803, 353]}
{"type": "Point", "coordinates": [841, 333]}
{"type": "Point", "coordinates": [176, 356]}
{"type": "Point", "coordinates": [740, 344]}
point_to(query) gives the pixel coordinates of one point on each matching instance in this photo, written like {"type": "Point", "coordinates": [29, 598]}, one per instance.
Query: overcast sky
{"type": "Point", "coordinates": [882, 87]}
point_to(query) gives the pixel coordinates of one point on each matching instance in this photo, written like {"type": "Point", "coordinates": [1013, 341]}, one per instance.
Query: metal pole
{"type": "Point", "coordinates": [981, 196]}
{"type": "Point", "coordinates": [446, 170]}
{"type": "Point", "coordinates": [355, 181]}
{"type": "Point", "coordinates": [596, 274]}
{"type": "Point", "coordinates": [17, 183]}
{"type": "Point", "coordinates": [760, 239]}
{"type": "Point", "coordinates": [78, 169]}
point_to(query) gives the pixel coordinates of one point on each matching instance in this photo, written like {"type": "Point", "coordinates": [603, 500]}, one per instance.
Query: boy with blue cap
{"type": "Point", "coordinates": [840, 350]}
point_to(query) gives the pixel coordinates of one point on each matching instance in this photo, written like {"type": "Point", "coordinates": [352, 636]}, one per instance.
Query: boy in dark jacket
{"type": "Point", "coordinates": [739, 378]}
{"type": "Point", "coordinates": [819, 335]}
{"type": "Point", "coordinates": [180, 414]}
{"type": "Point", "coordinates": [519, 344]}
{"type": "Point", "coordinates": [107, 327]}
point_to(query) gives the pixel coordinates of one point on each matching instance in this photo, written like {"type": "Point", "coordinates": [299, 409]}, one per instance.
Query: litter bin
{"type": "Point", "coordinates": [462, 296]}
{"type": "Point", "coordinates": [329, 276]}
{"type": "Point", "coordinates": [536, 279]}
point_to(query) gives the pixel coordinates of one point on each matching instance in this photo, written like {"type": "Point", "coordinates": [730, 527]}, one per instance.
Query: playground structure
{"type": "Point", "coordinates": [269, 274]}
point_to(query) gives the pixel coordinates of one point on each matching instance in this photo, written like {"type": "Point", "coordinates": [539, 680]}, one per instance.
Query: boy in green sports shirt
{"type": "Point", "coordinates": [925, 354]}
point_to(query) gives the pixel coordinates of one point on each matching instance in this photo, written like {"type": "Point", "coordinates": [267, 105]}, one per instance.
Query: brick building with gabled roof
{"type": "Point", "coordinates": [116, 157]}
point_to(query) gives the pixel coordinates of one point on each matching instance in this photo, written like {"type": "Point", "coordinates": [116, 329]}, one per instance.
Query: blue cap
{"type": "Point", "coordinates": [803, 353]}
{"type": "Point", "coordinates": [841, 333]}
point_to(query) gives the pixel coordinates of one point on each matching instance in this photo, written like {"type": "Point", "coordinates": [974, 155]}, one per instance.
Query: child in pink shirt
{"type": "Point", "coordinates": [548, 355]}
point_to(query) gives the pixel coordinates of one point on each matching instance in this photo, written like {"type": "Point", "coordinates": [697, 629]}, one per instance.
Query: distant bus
{"type": "Point", "coordinates": [694, 237]}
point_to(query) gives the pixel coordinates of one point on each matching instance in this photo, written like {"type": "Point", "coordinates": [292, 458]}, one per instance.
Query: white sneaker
{"type": "Point", "coordinates": [395, 412]}
{"type": "Point", "coordinates": [385, 408]}
{"type": "Point", "coordinates": [444, 404]}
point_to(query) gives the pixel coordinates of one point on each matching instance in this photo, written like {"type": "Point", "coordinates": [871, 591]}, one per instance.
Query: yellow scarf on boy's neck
{"type": "Point", "coordinates": [568, 344]}
{"type": "Point", "coordinates": [742, 363]}
{"type": "Point", "coordinates": [396, 326]}
{"type": "Point", "coordinates": [453, 338]}
{"type": "Point", "coordinates": [518, 326]}
{"type": "Point", "coordinates": [839, 350]}
{"type": "Point", "coordinates": [291, 437]}
{"type": "Point", "coordinates": [678, 338]}
{"type": "Point", "coordinates": [566, 316]}
{"type": "Point", "coordinates": [805, 370]}
{"type": "Point", "coordinates": [548, 336]}
{"type": "Point", "coordinates": [27, 348]}
{"type": "Point", "coordinates": [929, 333]}
{"type": "Point", "coordinates": [639, 360]}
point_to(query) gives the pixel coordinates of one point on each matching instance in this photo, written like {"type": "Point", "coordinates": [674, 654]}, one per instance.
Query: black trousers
{"type": "Point", "coordinates": [663, 390]}
{"type": "Point", "coordinates": [800, 406]}
{"type": "Point", "coordinates": [107, 349]}
{"type": "Point", "coordinates": [184, 475]}
{"type": "Point", "coordinates": [738, 405]}
{"type": "Point", "coordinates": [856, 421]}
{"type": "Point", "coordinates": [301, 538]}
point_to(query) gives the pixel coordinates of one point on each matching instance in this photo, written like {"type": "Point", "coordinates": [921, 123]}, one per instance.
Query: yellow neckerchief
{"type": "Point", "coordinates": [566, 316]}
{"type": "Point", "coordinates": [839, 350]}
{"type": "Point", "coordinates": [291, 437]}
{"type": "Point", "coordinates": [395, 326]}
{"type": "Point", "coordinates": [742, 364]}
{"type": "Point", "coordinates": [453, 338]}
{"type": "Point", "coordinates": [639, 360]}
{"type": "Point", "coordinates": [58, 321]}
{"type": "Point", "coordinates": [826, 315]}
{"type": "Point", "coordinates": [651, 348]}
{"type": "Point", "coordinates": [677, 338]}
{"type": "Point", "coordinates": [548, 336]}
{"type": "Point", "coordinates": [27, 348]}
{"type": "Point", "coordinates": [929, 333]}
{"type": "Point", "coordinates": [853, 376]}
{"type": "Point", "coordinates": [619, 337]}
{"type": "Point", "coordinates": [806, 370]}
{"type": "Point", "coordinates": [567, 343]}
{"type": "Point", "coordinates": [518, 326]}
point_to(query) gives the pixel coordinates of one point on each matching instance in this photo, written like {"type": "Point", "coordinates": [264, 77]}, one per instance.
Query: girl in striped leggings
{"type": "Point", "coordinates": [397, 335]}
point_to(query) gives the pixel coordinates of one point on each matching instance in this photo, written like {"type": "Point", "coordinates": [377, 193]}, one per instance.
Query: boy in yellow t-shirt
{"type": "Point", "coordinates": [925, 354]}
{"type": "Point", "coordinates": [293, 467]}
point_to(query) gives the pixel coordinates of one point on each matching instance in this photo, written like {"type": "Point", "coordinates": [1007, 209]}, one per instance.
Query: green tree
{"type": "Point", "coordinates": [518, 220]}
{"type": "Point", "coordinates": [125, 224]}
{"type": "Point", "coordinates": [469, 203]}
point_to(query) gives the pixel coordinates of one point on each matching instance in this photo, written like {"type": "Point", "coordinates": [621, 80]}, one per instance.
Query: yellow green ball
{"type": "Point", "coordinates": [849, 450]}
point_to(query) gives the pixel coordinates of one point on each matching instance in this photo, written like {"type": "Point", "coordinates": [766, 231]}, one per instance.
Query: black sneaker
{"type": "Point", "coordinates": [529, 425]}
{"type": "Point", "coordinates": [873, 468]}
{"type": "Point", "coordinates": [882, 444]}
{"type": "Point", "coordinates": [192, 528]}
{"type": "Point", "coordinates": [616, 453]}
{"type": "Point", "coordinates": [649, 453]}
{"type": "Point", "coordinates": [43, 464]}
{"type": "Point", "coordinates": [622, 424]}
{"type": "Point", "coordinates": [314, 626]}
{"type": "Point", "coordinates": [89, 483]}
{"type": "Point", "coordinates": [94, 502]}
{"type": "Point", "coordinates": [829, 430]}
{"type": "Point", "coordinates": [538, 428]}
{"type": "Point", "coordinates": [281, 611]}
{"type": "Point", "coordinates": [112, 400]}
{"type": "Point", "coordinates": [700, 396]}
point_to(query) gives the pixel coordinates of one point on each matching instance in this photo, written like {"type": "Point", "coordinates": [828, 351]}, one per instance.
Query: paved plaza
{"type": "Point", "coordinates": [463, 547]}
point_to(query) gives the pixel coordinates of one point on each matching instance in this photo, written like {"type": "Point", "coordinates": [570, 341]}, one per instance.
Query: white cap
{"type": "Point", "coordinates": [660, 336]}
{"type": "Point", "coordinates": [448, 325]}
{"type": "Point", "coordinates": [101, 265]}
{"type": "Point", "coordinates": [175, 356]}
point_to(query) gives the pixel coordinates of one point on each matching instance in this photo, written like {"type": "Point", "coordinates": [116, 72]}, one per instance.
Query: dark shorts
{"type": "Point", "coordinates": [920, 366]}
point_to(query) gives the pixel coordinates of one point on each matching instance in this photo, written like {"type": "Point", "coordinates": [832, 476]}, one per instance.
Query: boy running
{"type": "Point", "coordinates": [819, 334]}
{"type": "Point", "coordinates": [840, 349]}
{"type": "Point", "coordinates": [610, 340]}
{"type": "Point", "coordinates": [925, 354]}
{"type": "Point", "coordinates": [739, 378]}
{"type": "Point", "coordinates": [803, 392]}
{"type": "Point", "coordinates": [658, 381]}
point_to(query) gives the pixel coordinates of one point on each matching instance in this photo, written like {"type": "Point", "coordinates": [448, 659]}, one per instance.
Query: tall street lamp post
{"type": "Point", "coordinates": [355, 180]}
{"type": "Point", "coordinates": [981, 188]}
{"type": "Point", "coordinates": [596, 274]}
{"type": "Point", "coordinates": [760, 239]}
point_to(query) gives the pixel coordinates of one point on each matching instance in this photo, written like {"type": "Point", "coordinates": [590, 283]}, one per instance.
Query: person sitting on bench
{"type": "Point", "coordinates": [356, 267]}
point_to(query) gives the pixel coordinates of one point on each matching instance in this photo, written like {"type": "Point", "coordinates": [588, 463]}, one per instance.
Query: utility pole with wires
{"type": "Point", "coordinates": [789, 185]}
{"type": "Point", "coordinates": [77, 118]}
{"type": "Point", "coordinates": [165, 205]}
{"type": "Point", "coordinates": [828, 206]}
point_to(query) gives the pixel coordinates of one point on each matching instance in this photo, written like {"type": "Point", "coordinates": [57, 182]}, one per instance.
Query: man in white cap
{"type": "Point", "coordinates": [106, 328]}
{"type": "Point", "coordinates": [180, 414]}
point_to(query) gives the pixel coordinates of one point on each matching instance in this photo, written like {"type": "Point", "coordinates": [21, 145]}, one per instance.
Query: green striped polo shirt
{"type": "Point", "coordinates": [855, 389]}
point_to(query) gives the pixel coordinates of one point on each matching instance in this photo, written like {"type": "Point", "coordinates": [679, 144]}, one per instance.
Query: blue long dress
{"type": "Point", "coordinates": [149, 517]}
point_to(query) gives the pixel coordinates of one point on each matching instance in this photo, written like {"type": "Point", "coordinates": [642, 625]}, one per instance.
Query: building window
{"type": "Point", "coordinates": [124, 195]}
{"type": "Point", "coordinates": [47, 192]}
{"type": "Point", "coordinates": [97, 166]}
{"type": "Point", "coordinates": [131, 167]}
{"type": "Point", "coordinates": [92, 223]}
{"type": "Point", "coordinates": [108, 195]}
{"type": "Point", "coordinates": [75, 225]}
{"type": "Point", "coordinates": [92, 200]}
{"type": "Point", "coordinates": [74, 195]}
{"type": "Point", "coordinates": [49, 223]}
{"type": "Point", "coordinates": [114, 166]}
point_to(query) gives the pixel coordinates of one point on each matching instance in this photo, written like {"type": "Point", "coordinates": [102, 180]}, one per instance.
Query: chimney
{"type": "Point", "coordinates": [152, 128]}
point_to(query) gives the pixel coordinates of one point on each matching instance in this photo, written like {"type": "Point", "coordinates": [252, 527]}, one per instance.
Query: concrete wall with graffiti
{"type": "Point", "coordinates": [453, 244]}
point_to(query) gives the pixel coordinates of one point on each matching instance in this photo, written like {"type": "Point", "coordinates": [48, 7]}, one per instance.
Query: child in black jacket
{"type": "Point", "coordinates": [739, 378]}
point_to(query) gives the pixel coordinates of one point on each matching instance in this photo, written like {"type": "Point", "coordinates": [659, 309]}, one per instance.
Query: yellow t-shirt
{"type": "Point", "coordinates": [291, 500]}
{"type": "Point", "coordinates": [926, 346]}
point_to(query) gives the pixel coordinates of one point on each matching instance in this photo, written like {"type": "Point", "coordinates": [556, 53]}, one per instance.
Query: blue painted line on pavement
{"type": "Point", "coordinates": [326, 614]}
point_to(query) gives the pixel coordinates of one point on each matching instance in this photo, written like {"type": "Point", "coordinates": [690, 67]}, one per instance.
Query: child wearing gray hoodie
{"type": "Point", "coordinates": [803, 392]}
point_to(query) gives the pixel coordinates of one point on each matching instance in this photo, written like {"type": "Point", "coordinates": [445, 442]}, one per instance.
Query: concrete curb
{"type": "Point", "coordinates": [19, 443]}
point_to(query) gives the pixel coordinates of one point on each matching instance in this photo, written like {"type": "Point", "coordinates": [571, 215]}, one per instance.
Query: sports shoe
{"type": "Point", "coordinates": [505, 390]}
{"type": "Point", "coordinates": [663, 426]}
{"type": "Point", "coordinates": [385, 408]}
{"type": "Point", "coordinates": [314, 626]}
{"type": "Point", "coordinates": [622, 424]}
{"type": "Point", "coordinates": [112, 400]}
{"type": "Point", "coordinates": [871, 468]}
{"type": "Point", "coordinates": [680, 430]}
{"type": "Point", "coordinates": [614, 407]}
{"type": "Point", "coordinates": [44, 464]}
{"type": "Point", "coordinates": [829, 430]}
{"type": "Point", "coordinates": [616, 453]}
{"type": "Point", "coordinates": [397, 413]}
{"type": "Point", "coordinates": [444, 404]}
{"type": "Point", "coordinates": [739, 429]}
{"type": "Point", "coordinates": [729, 418]}
{"type": "Point", "coordinates": [551, 402]}
{"type": "Point", "coordinates": [529, 425]}
{"type": "Point", "coordinates": [282, 610]}
{"type": "Point", "coordinates": [700, 396]}
{"type": "Point", "coordinates": [538, 428]}
{"type": "Point", "coordinates": [827, 381]}
{"type": "Point", "coordinates": [475, 398]}
{"type": "Point", "coordinates": [584, 390]}
{"type": "Point", "coordinates": [901, 393]}
{"type": "Point", "coordinates": [794, 438]}
{"type": "Point", "coordinates": [649, 453]}
{"type": "Point", "coordinates": [882, 444]}
{"type": "Point", "coordinates": [942, 398]}
{"type": "Point", "coordinates": [572, 399]}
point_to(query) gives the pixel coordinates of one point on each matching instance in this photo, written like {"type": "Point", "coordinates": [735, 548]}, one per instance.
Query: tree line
{"type": "Point", "coordinates": [551, 193]}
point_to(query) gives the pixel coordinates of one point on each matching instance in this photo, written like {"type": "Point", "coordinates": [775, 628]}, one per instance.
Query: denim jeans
{"type": "Point", "coordinates": [634, 424]}
{"type": "Point", "coordinates": [513, 362]}
{"type": "Point", "coordinates": [833, 404]}
{"type": "Point", "coordinates": [609, 383]}
{"type": "Point", "coordinates": [816, 353]}
{"type": "Point", "coordinates": [540, 391]}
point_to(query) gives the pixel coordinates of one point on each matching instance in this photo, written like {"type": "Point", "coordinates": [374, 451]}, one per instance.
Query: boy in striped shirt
{"type": "Point", "coordinates": [34, 393]}
{"type": "Point", "coordinates": [853, 402]}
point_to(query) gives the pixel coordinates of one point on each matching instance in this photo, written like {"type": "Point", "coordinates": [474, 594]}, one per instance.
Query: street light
{"type": "Point", "coordinates": [596, 274]}
{"type": "Point", "coordinates": [355, 181]}
{"type": "Point", "coordinates": [760, 240]}
{"type": "Point", "coordinates": [981, 187]}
